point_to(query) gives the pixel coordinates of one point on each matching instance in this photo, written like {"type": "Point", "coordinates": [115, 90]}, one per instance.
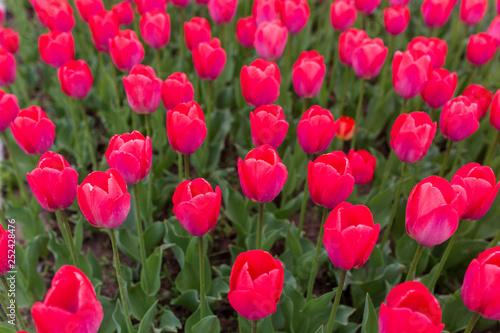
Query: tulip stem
{"type": "Point", "coordinates": [461, 46]}
{"type": "Point", "coordinates": [472, 322]}
{"type": "Point", "coordinates": [334, 64]}
{"type": "Point", "coordinates": [179, 167]}
{"type": "Point", "coordinates": [75, 124]}
{"type": "Point", "coordinates": [446, 157]}
{"type": "Point", "coordinates": [148, 125]}
{"type": "Point", "coordinates": [388, 166]}
{"type": "Point", "coordinates": [66, 232]}
{"type": "Point", "coordinates": [254, 322]}
{"type": "Point", "coordinates": [344, 91]}
{"type": "Point", "coordinates": [119, 277]}
{"type": "Point", "coordinates": [386, 68]}
{"type": "Point", "coordinates": [202, 278]}
{"type": "Point", "coordinates": [471, 75]}
{"type": "Point", "coordinates": [158, 61]}
{"type": "Point", "coordinates": [186, 166]}
{"type": "Point", "coordinates": [19, 318]}
{"type": "Point", "coordinates": [394, 209]}
{"type": "Point", "coordinates": [260, 226]}
{"type": "Point", "coordinates": [89, 136]}
{"type": "Point", "coordinates": [491, 150]}
{"type": "Point", "coordinates": [303, 207]}
{"type": "Point", "coordinates": [181, 37]}
{"type": "Point", "coordinates": [140, 234]}
{"type": "Point", "coordinates": [445, 256]}
{"type": "Point", "coordinates": [210, 106]}
{"type": "Point", "coordinates": [20, 183]}
{"type": "Point", "coordinates": [336, 302]}
{"type": "Point", "coordinates": [457, 156]}
{"type": "Point", "coordinates": [414, 263]}
{"type": "Point", "coordinates": [358, 112]}
{"type": "Point", "coordinates": [314, 269]}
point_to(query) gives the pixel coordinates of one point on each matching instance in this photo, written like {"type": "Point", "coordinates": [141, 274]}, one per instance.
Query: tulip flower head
{"type": "Point", "coordinates": [55, 14]}
{"type": "Point", "coordinates": [495, 111]}
{"type": "Point", "coordinates": [294, 15]}
{"type": "Point", "coordinates": [440, 88]}
{"type": "Point", "coordinates": [260, 82]}
{"type": "Point", "coordinates": [196, 31]}
{"type": "Point", "coordinates": [459, 119]}
{"type": "Point", "coordinates": [222, 11]}
{"type": "Point", "coordinates": [316, 130]}
{"type": "Point", "coordinates": [265, 10]}
{"type": "Point", "coordinates": [245, 31]}
{"type": "Point", "coordinates": [349, 41]}
{"type": "Point", "coordinates": [270, 39]}
{"type": "Point", "coordinates": [143, 89]}
{"type": "Point", "coordinates": [308, 74]}
{"type": "Point", "coordinates": [209, 59]}
{"type": "Point", "coordinates": [367, 7]}
{"type": "Point", "coordinates": [343, 14]}
{"type": "Point", "coordinates": [410, 72]}
{"type": "Point", "coordinates": [436, 12]}
{"type": "Point", "coordinates": [103, 25]}
{"type": "Point", "coordinates": [268, 125]}
{"type": "Point", "coordinates": [186, 128]}
{"type": "Point", "coordinates": [396, 19]}
{"type": "Point", "coordinates": [144, 6]}
{"type": "Point", "coordinates": [75, 78]}
{"type": "Point", "coordinates": [362, 165]}
{"type": "Point", "coordinates": [155, 28]}
{"type": "Point", "coordinates": [5, 241]}
{"type": "Point", "coordinates": [479, 95]}
{"type": "Point", "coordinates": [176, 90]}
{"type": "Point", "coordinates": [33, 130]}
{"type": "Point", "coordinates": [9, 109]}
{"type": "Point", "coordinates": [124, 12]}
{"type": "Point", "coordinates": [87, 8]}
{"type": "Point", "coordinates": [481, 48]}
{"type": "Point", "coordinates": [126, 50]}
{"type": "Point", "coordinates": [56, 48]}
{"type": "Point", "coordinates": [368, 58]}
{"type": "Point", "coordinates": [434, 47]}
{"type": "Point", "coordinates": [472, 11]}
{"type": "Point", "coordinates": [9, 39]}
{"type": "Point", "coordinates": [346, 128]}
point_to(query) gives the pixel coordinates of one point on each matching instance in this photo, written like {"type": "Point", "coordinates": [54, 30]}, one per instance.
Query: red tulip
{"type": "Point", "coordinates": [270, 40]}
{"type": "Point", "coordinates": [197, 206]}
{"type": "Point", "coordinates": [346, 128]}
{"type": "Point", "coordinates": [55, 14]}
{"type": "Point", "coordinates": [245, 31]}
{"type": "Point", "coordinates": [481, 187]}
{"type": "Point", "coordinates": [294, 15]}
{"type": "Point", "coordinates": [368, 58]}
{"type": "Point", "coordinates": [155, 28]}
{"type": "Point", "coordinates": [87, 8]}
{"type": "Point", "coordinates": [436, 12]}
{"type": "Point", "coordinates": [498, 7]}
{"type": "Point", "coordinates": [479, 95]}
{"type": "Point", "coordinates": [176, 90]}
{"type": "Point", "coordinates": [495, 111]}
{"type": "Point", "coordinates": [6, 243]}
{"type": "Point", "coordinates": [481, 48]}
{"type": "Point", "coordinates": [186, 127]}
{"type": "Point", "coordinates": [343, 14]}
{"type": "Point", "coordinates": [103, 199]}
{"type": "Point", "coordinates": [308, 74]}
{"type": "Point", "coordinates": [9, 39]}
{"type": "Point", "coordinates": [56, 48]}
{"type": "Point", "coordinates": [53, 182]}
{"type": "Point", "coordinates": [268, 126]}
{"type": "Point", "coordinates": [255, 284]}
{"type": "Point", "coordinates": [262, 175]}
{"type": "Point", "coordinates": [481, 288]}
{"type": "Point", "coordinates": [8, 68]}
{"type": "Point", "coordinates": [396, 19]}
{"type": "Point", "coordinates": [459, 119]}
{"type": "Point", "coordinates": [350, 235]}
{"type": "Point", "coordinates": [260, 82]}
{"type": "Point", "coordinates": [126, 50]}
{"type": "Point", "coordinates": [130, 154]}
{"type": "Point", "coordinates": [494, 29]}
{"type": "Point", "coordinates": [265, 10]}
{"type": "Point", "coordinates": [316, 130]}
{"type": "Point", "coordinates": [144, 6]}
{"type": "Point", "coordinates": [9, 109]}
{"type": "Point", "coordinates": [75, 78]}
{"type": "Point", "coordinates": [103, 25]}
{"type": "Point", "coordinates": [349, 40]}
{"type": "Point", "coordinates": [367, 7]}
{"type": "Point", "coordinates": [70, 305]}
{"type": "Point", "coordinates": [410, 308]}
{"type": "Point", "coordinates": [433, 211]}
{"type": "Point", "coordinates": [410, 72]}
{"type": "Point", "coordinates": [330, 179]}
{"type": "Point", "coordinates": [33, 131]}
{"type": "Point", "coordinates": [196, 31]}
{"type": "Point", "coordinates": [440, 88]}
{"type": "Point", "coordinates": [2, 15]}
{"type": "Point", "coordinates": [209, 59]}
{"type": "Point", "coordinates": [399, 2]}
{"type": "Point", "coordinates": [222, 11]}
{"type": "Point", "coordinates": [434, 47]}
{"type": "Point", "coordinates": [124, 12]}
{"type": "Point", "coordinates": [472, 11]}
{"type": "Point", "coordinates": [202, 2]}
{"type": "Point", "coordinates": [180, 3]}
{"type": "Point", "coordinates": [362, 165]}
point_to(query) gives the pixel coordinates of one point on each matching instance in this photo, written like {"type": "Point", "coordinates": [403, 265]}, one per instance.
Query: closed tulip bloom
{"type": "Point", "coordinates": [459, 119]}
{"type": "Point", "coordinates": [144, 6]}
{"type": "Point", "coordinates": [124, 12]}
{"type": "Point", "coordinates": [268, 126]}
{"type": "Point", "coordinates": [362, 165]}
{"type": "Point", "coordinates": [294, 15]}
{"type": "Point", "coordinates": [222, 11]}
{"type": "Point", "coordinates": [126, 50]}
{"type": "Point", "coordinates": [196, 31]}
{"type": "Point", "coordinates": [481, 187]}
{"type": "Point", "coordinates": [498, 7]}
{"type": "Point", "coordinates": [494, 29]}
{"type": "Point", "coordinates": [87, 8]}
{"type": "Point", "coordinates": [55, 14]}
{"type": "Point", "coordinates": [256, 284]}
{"type": "Point", "coordinates": [472, 11]}
{"type": "Point", "coordinates": [5, 240]}
{"type": "Point", "coordinates": [103, 25]}
{"type": "Point", "coordinates": [186, 127]}
{"type": "Point", "coordinates": [346, 128]}
{"type": "Point", "coordinates": [245, 31]}
{"type": "Point", "coordinates": [396, 19]}
{"type": "Point", "coordinates": [8, 68]}
{"type": "Point", "coordinates": [436, 12]}
{"type": "Point", "coordinates": [481, 288]}
{"type": "Point", "coordinates": [433, 210]}
{"type": "Point", "coordinates": [495, 111]}
{"type": "Point", "coordinates": [56, 48]}
{"type": "Point", "coordinates": [265, 10]}
{"type": "Point", "coordinates": [197, 206]}
{"type": "Point", "coordinates": [479, 95]}
{"type": "Point", "coordinates": [330, 179]}
{"type": "Point", "coordinates": [270, 40]}
{"type": "Point", "coordinates": [103, 199]}
{"type": "Point", "coordinates": [75, 78]}
{"type": "Point", "coordinates": [131, 155]}
{"type": "Point", "coordinates": [349, 40]}
{"type": "Point", "coordinates": [410, 307]}
{"type": "Point", "coordinates": [368, 58]}
{"type": "Point", "coordinates": [9, 109]}
{"type": "Point", "coordinates": [260, 82]}
{"type": "Point", "coordinates": [367, 7]}
{"type": "Point", "coordinates": [33, 130]}
{"type": "Point", "coordinates": [481, 48]}
{"type": "Point", "coordinates": [308, 74]}
{"type": "Point", "coordinates": [209, 59]}
{"type": "Point", "coordinates": [440, 88]}
{"type": "Point", "coordinates": [155, 28]}
{"type": "Point", "coordinates": [70, 305]}
{"type": "Point", "coordinates": [180, 3]}
{"type": "Point", "coordinates": [434, 47]}
{"type": "Point", "coordinates": [176, 90]}
{"type": "Point", "coordinates": [410, 72]}
{"type": "Point", "coordinates": [9, 39]}
{"type": "Point", "coordinates": [350, 235]}
{"type": "Point", "coordinates": [316, 130]}
{"type": "Point", "coordinates": [53, 182]}
{"type": "Point", "coordinates": [343, 14]}
{"type": "Point", "coordinates": [412, 135]}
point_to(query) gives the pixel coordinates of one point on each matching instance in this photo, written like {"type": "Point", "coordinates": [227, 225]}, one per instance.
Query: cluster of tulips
{"type": "Point", "coordinates": [436, 207]}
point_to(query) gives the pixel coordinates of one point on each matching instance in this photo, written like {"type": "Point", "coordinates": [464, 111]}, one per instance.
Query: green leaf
{"type": "Point", "coordinates": [315, 305]}
{"type": "Point", "coordinates": [370, 322]}
{"type": "Point", "coordinates": [208, 324]}
{"type": "Point", "coordinates": [169, 322]}
{"type": "Point", "coordinates": [147, 320]}
{"type": "Point", "coordinates": [152, 271]}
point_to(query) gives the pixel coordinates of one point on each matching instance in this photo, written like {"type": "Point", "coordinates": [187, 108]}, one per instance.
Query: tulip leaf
{"type": "Point", "coordinates": [147, 321]}
{"type": "Point", "coordinates": [150, 274]}
{"type": "Point", "coordinates": [455, 314]}
{"type": "Point", "coordinates": [317, 304]}
{"type": "Point", "coordinates": [153, 235]}
{"type": "Point", "coordinates": [208, 324]}
{"type": "Point", "coordinates": [5, 327]}
{"type": "Point", "coordinates": [108, 308]}
{"type": "Point", "coordinates": [187, 299]}
{"type": "Point", "coordinates": [140, 303]}
{"type": "Point", "coordinates": [370, 322]}
{"type": "Point", "coordinates": [78, 237]}
{"type": "Point", "coordinates": [169, 322]}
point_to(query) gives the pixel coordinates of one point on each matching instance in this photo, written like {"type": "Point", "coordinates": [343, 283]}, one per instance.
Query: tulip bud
{"type": "Point", "coordinates": [494, 29]}
{"type": "Point", "coordinates": [265, 10]}
{"type": "Point", "coordinates": [186, 127]}
{"type": "Point", "coordinates": [362, 165]}
{"type": "Point", "coordinates": [316, 130]}
{"type": "Point", "coordinates": [481, 48]}
{"type": "Point", "coordinates": [53, 182]}
{"type": "Point", "coordinates": [75, 78]}
{"type": "Point", "coordinates": [396, 19]}
{"type": "Point", "coordinates": [176, 90]}
{"type": "Point", "coordinates": [472, 11]}
{"type": "Point", "coordinates": [434, 47]}
{"type": "Point", "coordinates": [196, 31]}
{"type": "Point", "coordinates": [222, 11]}
{"type": "Point", "coordinates": [33, 130]}
{"type": "Point", "coordinates": [155, 28]}
{"type": "Point", "coordinates": [5, 245]}
{"type": "Point", "coordinates": [343, 14]}
{"type": "Point", "coordinates": [479, 95]}
{"type": "Point", "coordinates": [349, 40]}
{"type": "Point", "coordinates": [126, 50]}
{"type": "Point", "coordinates": [144, 6]}
{"type": "Point", "coordinates": [270, 40]}
{"type": "Point", "coordinates": [124, 12]}
{"type": "Point", "coordinates": [268, 126]}
{"type": "Point", "coordinates": [308, 74]}
{"type": "Point", "coordinates": [55, 14]}
{"type": "Point", "coordinates": [197, 206]}
{"type": "Point", "coordinates": [262, 175]}
{"type": "Point", "coordinates": [440, 88]}
{"type": "Point", "coordinates": [368, 58]}
{"type": "Point", "coordinates": [8, 68]}
{"type": "Point", "coordinates": [56, 48]}
{"type": "Point", "coordinates": [367, 7]}
{"type": "Point", "coordinates": [209, 59]}
{"type": "Point", "coordinates": [9, 109]}
{"type": "Point", "coordinates": [103, 25]}
{"type": "Point", "coordinates": [410, 72]}
{"type": "Point", "coordinates": [495, 111]}
{"type": "Point", "coordinates": [294, 15]}
{"type": "Point", "coordinates": [245, 31]}
{"type": "Point", "coordinates": [9, 39]}
{"type": "Point", "coordinates": [260, 82]}
{"type": "Point", "coordinates": [103, 199]}
{"type": "Point", "coordinates": [255, 284]}
{"type": "Point", "coordinates": [459, 119]}
{"type": "Point", "coordinates": [436, 12]}
{"type": "Point", "coordinates": [346, 128]}
{"type": "Point", "coordinates": [87, 8]}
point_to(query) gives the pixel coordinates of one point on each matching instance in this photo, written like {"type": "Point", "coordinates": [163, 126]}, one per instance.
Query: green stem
{"type": "Point", "coordinates": [68, 238]}
{"type": "Point", "coordinates": [495, 241]}
{"type": "Point", "coordinates": [158, 61]}
{"type": "Point", "coordinates": [202, 277]}
{"type": "Point", "coordinates": [472, 322]}
{"type": "Point", "coordinates": [182, 43]}
{"type": "Point", "coordinates": [115, 86]}
{"type": "Point", "coordinates": [3, 304]}
{"type": "Point", "coordinates": [186, 166]}
{"type": "Point", "coordinates": [491, 149]}
{"type": "Point", "coordinates": [255, 322]}
{"type": "Point", "coordinates": [335, 61]}
{"type": "Point", "coordinates": [344, 90]}
{"type": "Point", "coordinates": [386, 66]}
{"type": "Point", "coordinates": [19, 318]}
{"type": "Point", "coordinates": [260, 226]}
{"type": "Point", "coordinates": [89, 136]}
{"type": "Point", "coordinates": [303, 207]}
{"type": "Point", "coordinates": [414, 263]}
{"type": "Point", "coordinates": [179, 166]}
{"type": "Point", "coordinates": [75, 123]}
{"type": "Point", "coordinates": [148, 125]}
{"type": "Point", "coordinates": [2, 219]}
{"type": "Point", "coordinates": [119, 277]}
{"type": "Point", "coordinates": [140, 234]}
{"type": "Point", "coordinates": [358, 113]}
{"type": "Point", "coordinates": [445, 256]}
{"type": "Point", "coordinates": [387, 171]}
{"type": "Point", "coordinates": [314, 269]}
{"type": "Point", "coordinates": [336, 302]}
{"type": "Point", "coordinates": [210, 105]}
{"type": "Point", "coordinates": [20, 183]}
{"type": "Point", "coordinates": [460, 48]}
{"type": "Point", "coordinates": [471, 75]}
{"type": "Point", "coordinates": [446, 157]}
{"type": "Point", "coordinates": [403, 106]}
{"type": "Point", "coordinates": [457, 157]}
